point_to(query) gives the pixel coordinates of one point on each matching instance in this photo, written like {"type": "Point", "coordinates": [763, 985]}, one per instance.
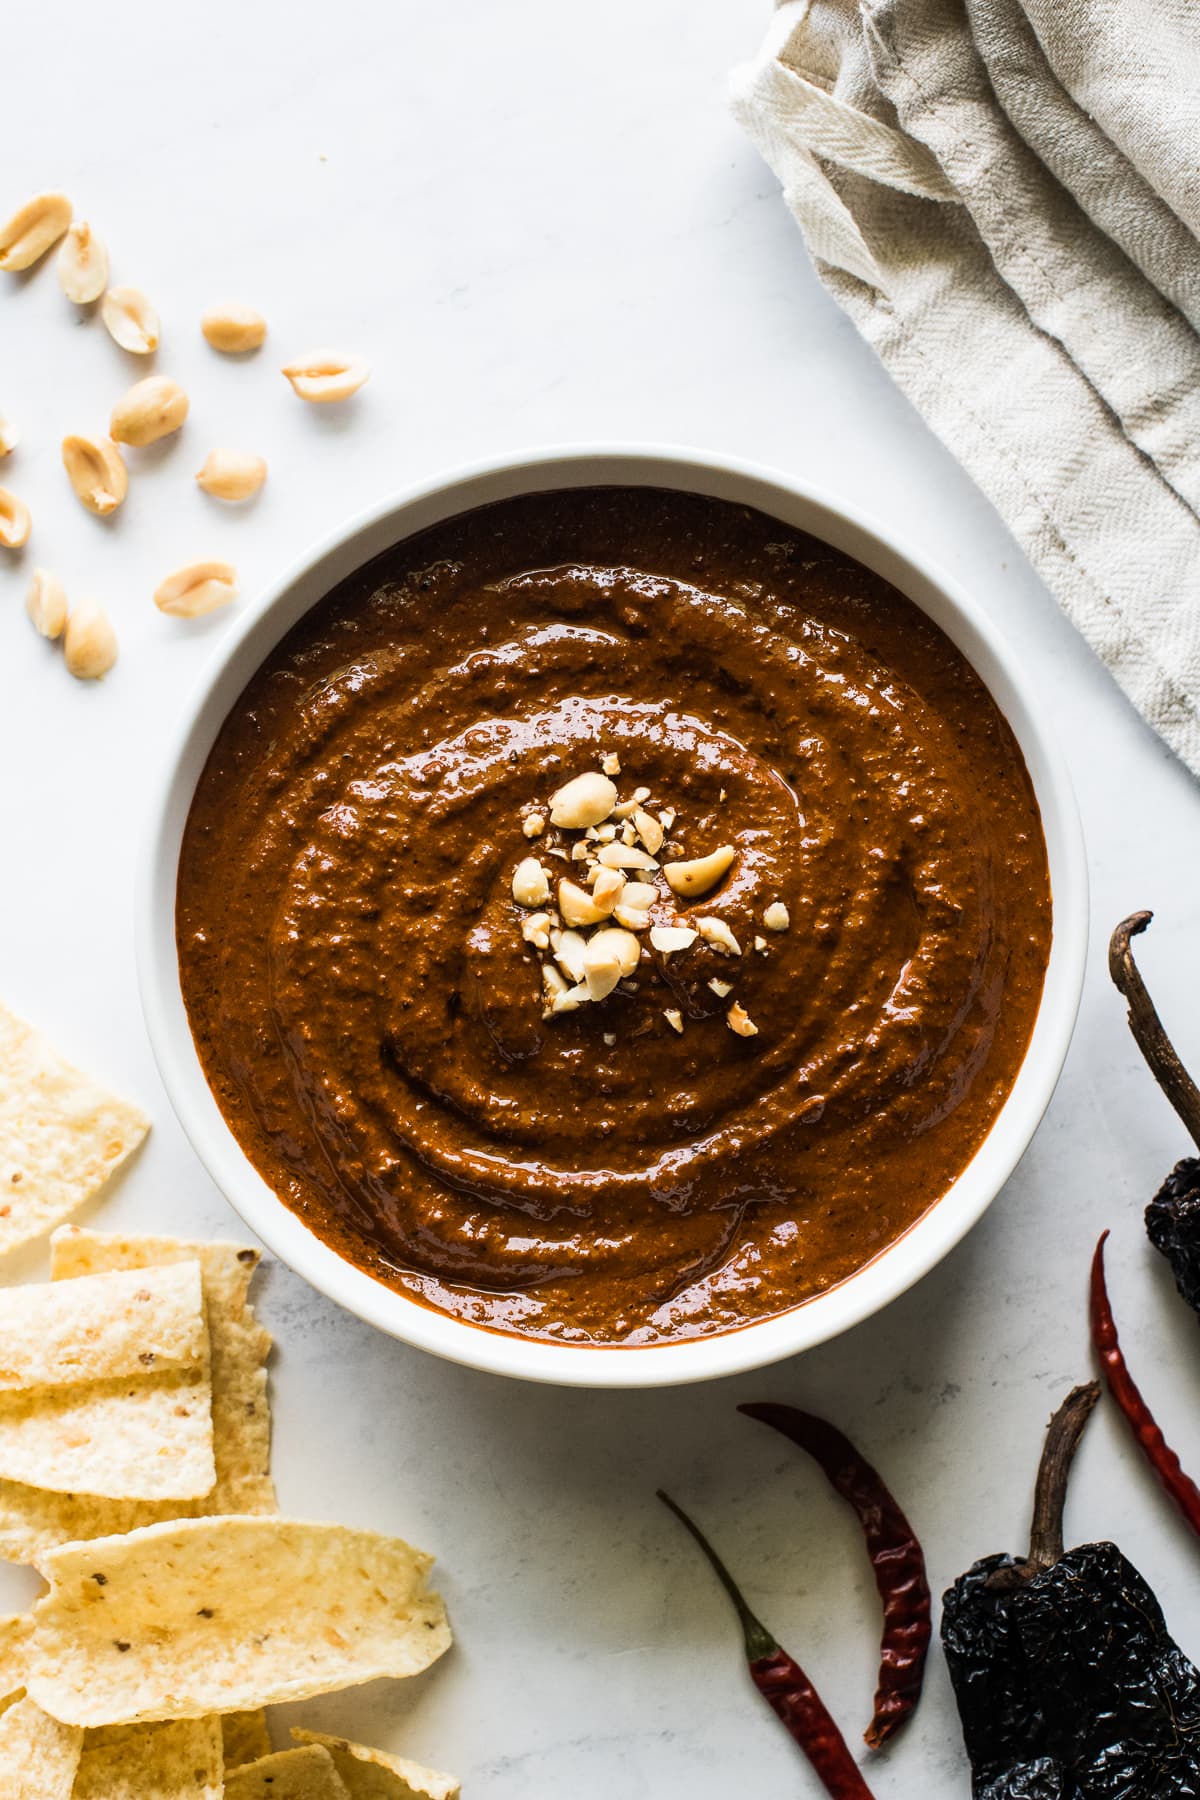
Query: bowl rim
{"type": "Point", "coordinates": [390, 520]}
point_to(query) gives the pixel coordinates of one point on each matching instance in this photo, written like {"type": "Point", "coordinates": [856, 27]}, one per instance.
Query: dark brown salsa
{"type": "Point", "coordinates": [372, 1006]}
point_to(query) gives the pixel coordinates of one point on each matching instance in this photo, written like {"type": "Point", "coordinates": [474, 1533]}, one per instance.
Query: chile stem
{"type": "Point", "coordinates": [1050, 1493]}
{"type": "Point", "coordinates": [1147, 1027]}
{"type": "Point", "coordinates": [759, 1641]}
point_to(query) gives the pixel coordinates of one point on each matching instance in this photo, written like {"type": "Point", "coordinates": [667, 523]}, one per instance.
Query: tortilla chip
{"type": "Point", "coordinates": [61, 1135]}
{"type": "Point", "coordinates": [240, 1346]}
{"type": "Point", "coordinates": [32, 1520]}
{"type": "Point", "coordinates": [374, 1775]}
{"type": "Point", "coordinates": [245, 1737]}
{"type": "Point", "coordinates": [306, 1774]}
{"type": "Point", "coordinates": [224, 1615]}
{"type": "Point", "coordinates": [38, 1756]}
{"type": "Point", "coordinates": [180, 1760]}
{"type": "Point", "coordinates": [101, 1327]}
{"type": "Point", "coordinates": [14, 1628]}
{"type": "Point", "coordinates": [104, 1385]}
{"type": "Point", "coordinates": [118, 1439]}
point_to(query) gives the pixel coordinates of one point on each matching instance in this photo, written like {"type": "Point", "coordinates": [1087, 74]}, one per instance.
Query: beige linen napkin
{"type": "Point", "coordinates": [1004, 196]}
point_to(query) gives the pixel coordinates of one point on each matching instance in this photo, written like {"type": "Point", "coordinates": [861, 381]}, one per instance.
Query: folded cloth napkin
{"type": "Point", "coordinates": [1005, 197]}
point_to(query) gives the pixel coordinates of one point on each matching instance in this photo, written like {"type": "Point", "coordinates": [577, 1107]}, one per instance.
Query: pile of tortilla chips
{"type": "Point", "coordinates": [135, 1476]}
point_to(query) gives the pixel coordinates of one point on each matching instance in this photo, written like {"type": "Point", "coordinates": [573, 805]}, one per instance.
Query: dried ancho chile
{"type": "Point", "coordinates": [785, 1687]}
{"type": "Point", "coordinates": [895, 1554]}
{"type": "Point", "coordinates": [1173, 1216]}
{"type": "Point", "coordinates": [1068, 1684]}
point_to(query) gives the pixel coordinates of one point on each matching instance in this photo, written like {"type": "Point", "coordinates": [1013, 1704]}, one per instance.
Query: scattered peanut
{"type": "Point", "coordinates": [607, 889]}
{"type": "Point", "coordinates": [152, 409]}
{"type": "Point", "coordinates": [197, 589]}
{"type": "Point", "coordinates": [649, 830]}
{"type": "Point", "coordinates": [625, 856]}
{"type": "Point", "coordinates": [577, 906]}
{"type": "Point", "coordinates": [611, 763]}
{"type": "Point", "coordinates": [130, 319]}
{"type": "Point", "coordinates": [739, 1020]}
{"type": "Point", "coordinates": [777, 917]}
{"type": "Point", "coordinates": [717, 933]}
{"type": "Point", "coordinates": [667, 818]}
{"type": "Point", "coordinates": [640, 894]}
{"type": "Point", "coordinates": [569, 947]}
{"type": "Point", "coordinates": [608, 955]}
{"type": "Point", "coordinates": [670, 938]}
{"type": "Point", "coordinates": [35, 228]}
{"type": "Point", "coordinates": [15, 521]}
{"type": "Point", "coordinates": [82, 265]}
{"type": "Point", "coordinates": [530, 883]}
{"type": "Point", "coordinates": [702, 873]}
{"type": "Point", "coordinates": [760, 944]}
{"type": "Point", "coordinates": [10, 437]}
{"type": "Point", "coordinates": [96, 472]}
{"type": "Point", "coordinates": [46, 604]}
{"type": "Point", "coordinates": [536, 930]}
{"type": "Point", "coordinates": [233, 329]}
{"type": "Point", "coordinates": [534, 825]}
{"type": "Point", "coordinates": [232, 474]}
{"type": "Point", "coordinates": [325, 375]}
{"type": "Point", "coordinates": [90, 643]}
{"type": "Point", "coordinates": [674, 1018]}
{"type": "Point", "coordinates": [634, 918]}
{"type": "Point", "coordinates": [585, 801]}
{"type": "Point", "coordinates": [722, 989]}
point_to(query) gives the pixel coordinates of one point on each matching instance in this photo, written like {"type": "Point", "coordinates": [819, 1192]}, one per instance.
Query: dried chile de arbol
{"type": "Point", "coordinates": [895, 1555]}
{"type": "Point", "coordinates": [1128, 1396]}
{"type": "Point", "coordinates": [1068, 1685]}
{"type": "Point", "coordinates": [1173, 1216]}
{"type": "Point", "coordinates": [785, 1687]}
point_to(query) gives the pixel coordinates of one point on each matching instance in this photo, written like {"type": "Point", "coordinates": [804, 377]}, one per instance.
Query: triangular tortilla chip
{"type": "Point", "coordinates": [104, 1385]}
{"type": "Point", "coordinates": [245, 1737]}
{"type": "Point", "coordinates": [61, 1134]}
{"type": "Point", "coordinates": [375, 1775]}
{"type": "Point", "coordinates": [306, 1774]}
{"type": "Point", "coordinates": [223, 1615]}
{"type": "Point", "coordinates": [32, 1519]}
{"type": "Point", "coordinates": [38, 1756]}
{"type": "Point", "coordinates": [179, 1760]}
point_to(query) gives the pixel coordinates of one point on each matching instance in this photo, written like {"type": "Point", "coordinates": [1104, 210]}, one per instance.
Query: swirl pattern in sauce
{"type": "Point", "coordinates": [371, 1019]}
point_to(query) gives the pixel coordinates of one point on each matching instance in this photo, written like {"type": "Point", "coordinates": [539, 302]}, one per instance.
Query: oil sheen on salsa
{"type": "Point", "coordinates": [373, 1022]}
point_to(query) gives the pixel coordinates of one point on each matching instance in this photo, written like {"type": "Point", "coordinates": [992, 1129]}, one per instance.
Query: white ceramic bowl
{"type": "Point", "coordinates": [261, 628]}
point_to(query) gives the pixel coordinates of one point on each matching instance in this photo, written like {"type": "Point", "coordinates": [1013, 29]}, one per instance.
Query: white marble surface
{"type": "Point", "coordinates": [539, 224]}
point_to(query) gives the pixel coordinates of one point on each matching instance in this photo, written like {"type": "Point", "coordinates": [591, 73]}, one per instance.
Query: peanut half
{"type": "Point", "coordinates": [90, 643]}
{"type": "Point", "coordinates": [697, 876]}
{"type": "Point", "coordinates": [15, 521]}
{"type": "Point", "coordinates": [530, 883]}
{"type": "Point", "coordinates": [82, 265]}
{"type": "Point", "coordinates": [35, 228]}
{"type": "Point", "coordinates": [235, 475]}
{"type": "Point", "coordinates": [46, 603]}
{"type": "Point", "coordinates": [96, 472]}
{"type": "Point", "coordinates": [583, 802]}
{"type": "Point", "coordinates": [130, 319]}
{"type": "Point", "coordinates": [325, 375]}
{"type": "Point", "coordinates": [777, 917]}
{"type": "Point", "coordinates": [152, 409]}
{"type": "Point", "coordinates": [233, 329]}
{"type": "Point", "coordinates": [197, 589]}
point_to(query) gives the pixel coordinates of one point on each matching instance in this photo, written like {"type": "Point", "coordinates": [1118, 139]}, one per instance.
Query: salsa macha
{"type": "Point", "coordinates": [613, 916]}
